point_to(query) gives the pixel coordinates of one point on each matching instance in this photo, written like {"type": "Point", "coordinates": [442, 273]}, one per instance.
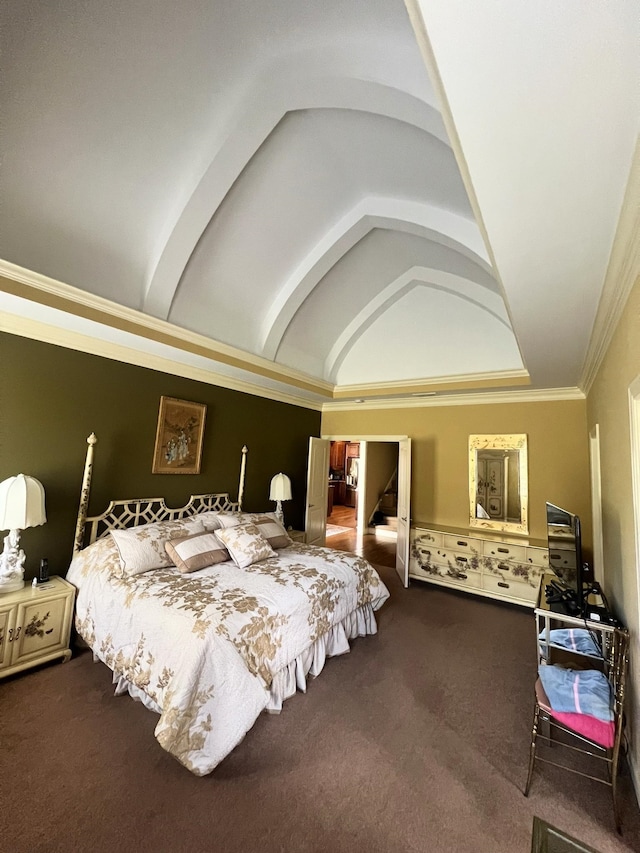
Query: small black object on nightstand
{"type": "Point", "coordinates": [43, 577]}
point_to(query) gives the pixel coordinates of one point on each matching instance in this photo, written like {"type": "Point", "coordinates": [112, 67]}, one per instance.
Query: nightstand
{"type": "Point", "coordinates": [297, 535]}
{"type": "Point", "coordinates": [35, 625]}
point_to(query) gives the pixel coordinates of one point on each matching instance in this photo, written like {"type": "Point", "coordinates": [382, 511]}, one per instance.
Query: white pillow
{"type": "Point", "coordinates": [246, 544]}
{"type": "Point", "coordinates": [142, 548]}
{"type": "Point", "coordinates": [191, 553]}
{"type": "Point", "coordinates": [208, 519]}
{"type": "Point", "coordinates": [268, 525]}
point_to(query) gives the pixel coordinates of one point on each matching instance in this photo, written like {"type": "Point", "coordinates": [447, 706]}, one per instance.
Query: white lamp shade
{"type": "Point", "coordinates": [21, 503]}
{"type": "Point", "coordinates": [280, 488]}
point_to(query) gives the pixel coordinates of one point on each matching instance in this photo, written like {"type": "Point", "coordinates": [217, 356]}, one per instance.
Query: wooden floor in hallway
{"type": "Point", "coordinates": [377, 550]}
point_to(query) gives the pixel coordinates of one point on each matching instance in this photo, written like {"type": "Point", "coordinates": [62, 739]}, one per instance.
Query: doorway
{"type": "Point", "coordinates": [370, 466]}
{"type": "Point", "coordinates": [318, 470]}
{"type": "Point", "coordinates": [344, 484]}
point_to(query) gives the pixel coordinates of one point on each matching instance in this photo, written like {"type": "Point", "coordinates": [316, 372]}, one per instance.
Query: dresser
{"type": "Point", "coordinates": [35, 625]}
{"type": "Point", "coordinates": [493, 565]}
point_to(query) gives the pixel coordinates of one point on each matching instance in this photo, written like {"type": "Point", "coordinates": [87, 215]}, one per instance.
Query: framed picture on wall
{"type": "Point", "coordinates": [179, 437]}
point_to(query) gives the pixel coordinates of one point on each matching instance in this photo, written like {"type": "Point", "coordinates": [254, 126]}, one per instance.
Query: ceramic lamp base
{"type": "Point", "coordinates": [11, 585]}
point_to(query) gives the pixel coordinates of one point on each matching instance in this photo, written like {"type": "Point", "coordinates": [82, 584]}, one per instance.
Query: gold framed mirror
{"type": "Point", "coordinates": [499, 483]}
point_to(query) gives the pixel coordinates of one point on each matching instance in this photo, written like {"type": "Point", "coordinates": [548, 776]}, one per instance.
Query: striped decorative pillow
{"type": "Point", "coordinates": [191, 553]}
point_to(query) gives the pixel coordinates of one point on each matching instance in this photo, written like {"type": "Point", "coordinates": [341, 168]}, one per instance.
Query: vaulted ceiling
{"type": "Point", "coordinates": [337, 199]}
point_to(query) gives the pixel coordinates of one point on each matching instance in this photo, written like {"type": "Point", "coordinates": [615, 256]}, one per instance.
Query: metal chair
{"type": "Point", "coordinates": [614, 643]}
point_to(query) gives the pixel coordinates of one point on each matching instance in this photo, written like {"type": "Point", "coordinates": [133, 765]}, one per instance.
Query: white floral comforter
{"type": "Point", "coordinates": [209, 650]}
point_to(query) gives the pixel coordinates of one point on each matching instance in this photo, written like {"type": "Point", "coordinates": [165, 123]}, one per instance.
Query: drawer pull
{"type": "Point", "coordinates": [502, 550]}
{"type": "Point", "coordinates": [503, 567]}
{"type": "Point", "coordinates": [462, 577]}
{"type": "Point", "coordinates": [14, 636]}
{"type": "Point", "coordinates": [503, 584]}
{"type": "Point", "coordinates": [463, 543]}
{"type": "Point", "coordinates": [461, 559]}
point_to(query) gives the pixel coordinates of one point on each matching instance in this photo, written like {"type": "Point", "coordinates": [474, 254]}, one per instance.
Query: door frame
{"type": "Point", "coordinates": [370, 439]}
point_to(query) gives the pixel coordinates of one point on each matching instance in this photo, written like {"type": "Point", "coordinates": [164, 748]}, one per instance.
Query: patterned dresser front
{"type": "Point", "coordinates": [489, 565]}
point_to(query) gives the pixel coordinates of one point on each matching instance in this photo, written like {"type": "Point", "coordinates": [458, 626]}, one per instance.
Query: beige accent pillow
{"type": "Point", "coordinates": [190, 553]}
{"type": "Point", "coordinates": [246, 544]}
{"type": "Point", "coordinates": [267, 524]}
{"type": "Point", "coordinates": [142, 548]}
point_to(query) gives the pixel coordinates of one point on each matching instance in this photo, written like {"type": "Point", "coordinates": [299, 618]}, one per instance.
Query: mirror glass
{"type": "Point", "coordinates": [498, 483]}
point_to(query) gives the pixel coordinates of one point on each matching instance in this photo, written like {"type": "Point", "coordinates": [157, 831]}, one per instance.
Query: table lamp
{"type": "Point", "coordinates": [21, 506]}
{"type": "Point", "coordinates": [280, 491]}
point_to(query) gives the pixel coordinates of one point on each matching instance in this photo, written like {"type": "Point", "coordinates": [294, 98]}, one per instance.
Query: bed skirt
{"type": "Point", "coordinates": [292, 677]}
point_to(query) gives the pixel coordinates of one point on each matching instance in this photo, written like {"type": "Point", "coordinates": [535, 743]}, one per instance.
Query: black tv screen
{"type": "Point", "coordinates": [565, 548]}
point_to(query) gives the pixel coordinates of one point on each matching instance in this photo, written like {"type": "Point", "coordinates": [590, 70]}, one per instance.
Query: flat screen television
{"type": "Point", "coordinates": [565, 550]}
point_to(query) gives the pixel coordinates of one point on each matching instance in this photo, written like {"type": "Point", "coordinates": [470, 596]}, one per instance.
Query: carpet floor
{"type": "Point", "coordinates": [417, 740]}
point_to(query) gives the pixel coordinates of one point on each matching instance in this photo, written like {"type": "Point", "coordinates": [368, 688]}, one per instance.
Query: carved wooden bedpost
{"type": "Point", "coordinates": [243, 464]}
{"type": "Point", "coordinates": [84, 494]}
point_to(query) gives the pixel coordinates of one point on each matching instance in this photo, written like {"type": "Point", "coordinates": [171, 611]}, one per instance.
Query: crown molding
{"type": "Point", "coordinates": [461, 382]}
{"type": "Point", "coordinates": [36, 330]}
{"type": "Point", "coordinates": [43, 290]}
{"type": "Point", "coordinates": [549, 395]}
{"type": "Point", "coordinates": [623, 271]}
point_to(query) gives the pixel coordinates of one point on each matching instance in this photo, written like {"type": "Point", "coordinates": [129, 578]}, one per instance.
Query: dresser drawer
{"type": "Point", "coordinates": [461, 544]}
{"type": "Point", "coordinates": [509, 588]}
{"type": "Point", "coordinates": [562, 559]}
{"type": "Point", "coordinates": [429, 537]}
{"type": "Point", "coordinates": [538, 557]}
{"type": "Point", "coordinates": [504, 550]}
{"type": "Point", "coordinates": [516, 570]}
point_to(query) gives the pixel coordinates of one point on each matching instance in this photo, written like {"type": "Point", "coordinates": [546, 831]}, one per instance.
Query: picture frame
{"type": "Point", "coordinates": [179, 437]}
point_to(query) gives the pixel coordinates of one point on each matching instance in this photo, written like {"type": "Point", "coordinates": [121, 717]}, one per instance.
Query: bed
{"type": "Point", "coordinates": [210, 647]}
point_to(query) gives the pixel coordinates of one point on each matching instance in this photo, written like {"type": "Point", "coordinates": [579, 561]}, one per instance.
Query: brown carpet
{"type": "Point", "coordinates": [415, 741]}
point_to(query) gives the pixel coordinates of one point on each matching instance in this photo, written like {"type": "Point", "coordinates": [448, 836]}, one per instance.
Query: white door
{"type": "Point", "coordinates": [317, 491]}
{"type": "Point", "coordinates": [404, 501]}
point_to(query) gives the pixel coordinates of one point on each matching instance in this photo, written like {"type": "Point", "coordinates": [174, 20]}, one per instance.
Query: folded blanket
{"type": "Point", "coordinates": [578, 691]}
{"type": "Point", "coordinates": [583, 724]}
{"type": "Point", "coordinates": [573, 639]}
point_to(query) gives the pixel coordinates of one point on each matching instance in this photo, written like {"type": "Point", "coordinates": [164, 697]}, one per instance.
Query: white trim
{"type": "Point", "coordinates": [596, 504]}
{"type": "Point", "coordinates": [622, 273]}
{"type": "Point", "coordinates": [431, 383]}
{"type": "Point", "coordinates": [634, 429]}
{"type": "Point", "coordinates": [549, 395]}
{"type": "Point", "coordinates": [148, 327]}
{"type": "Point", "coordinates": [35, 330]}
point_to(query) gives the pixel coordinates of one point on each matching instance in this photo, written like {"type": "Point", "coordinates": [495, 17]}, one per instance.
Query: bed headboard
{"type": "Point", "coordinates": [129, 513]}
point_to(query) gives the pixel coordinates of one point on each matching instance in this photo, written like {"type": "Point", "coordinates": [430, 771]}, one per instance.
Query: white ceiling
{"type": "Point", "coordinates": [283, 183]}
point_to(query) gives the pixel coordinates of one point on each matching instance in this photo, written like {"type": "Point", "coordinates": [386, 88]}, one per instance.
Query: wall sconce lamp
{"type": "Point", "coordinates": [280, 491]}
{"type": "Point", "coordinates": [21, 506]}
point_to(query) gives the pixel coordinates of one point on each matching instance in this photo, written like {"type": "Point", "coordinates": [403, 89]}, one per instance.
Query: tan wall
{"type": "Point", "coordinates": [558, 454]}
{"type": "Point", "coordinates": [608, 406]}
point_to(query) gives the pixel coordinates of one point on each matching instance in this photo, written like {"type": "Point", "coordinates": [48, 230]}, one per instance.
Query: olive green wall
{"type": "Point", "coordinates": [608, 406]}
{"type": "Point", "coordinates": [557, 443]}
{"type": "Point", "coordinates": [52, 398]}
